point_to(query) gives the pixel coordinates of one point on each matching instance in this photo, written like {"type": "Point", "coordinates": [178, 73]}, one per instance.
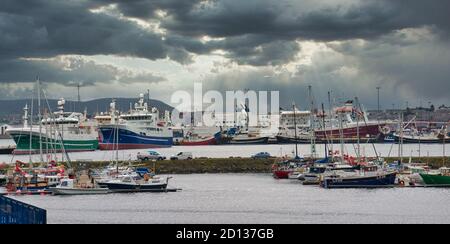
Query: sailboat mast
{"type": "Point", "coordinates": [295, 131]}
{"type": "Point", "coordinates": [331, 120]}
{"type": "Point", "coordinates": [39, 118]}
{"type": "Point", "coordinates": [400, 145]}
{"type": "Point", "coordinates": [341, 135]}
{"type": "Point", "coordinates": [443, 145]}
{"type": "Point", "coordinates": [357, 133]}
{"type": "Point", "coordinates": [31, 130]}
{"type": "Point", "coordinates": [324, 130]}
{"type": "Point", "coordinates": [311, 121]}
{"type": "Point", "coordinates": [116, 137]}
{"type": "Point", "coordinates": [420, 149]}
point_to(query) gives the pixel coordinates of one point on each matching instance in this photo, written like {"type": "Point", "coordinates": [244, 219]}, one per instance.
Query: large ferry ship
{"type": "Point", "coordinates": [70, 131]}
{"type": "Point", "coordinates": [139, 128]}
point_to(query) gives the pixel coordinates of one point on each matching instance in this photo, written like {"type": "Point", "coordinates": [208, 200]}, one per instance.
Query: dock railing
{"type": "Point", "coordinates": [16, 212]}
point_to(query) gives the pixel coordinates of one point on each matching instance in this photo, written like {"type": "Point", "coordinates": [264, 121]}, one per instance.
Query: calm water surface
{"type": "Point", "coordinates": [224, 151]}
{"type": "Point", "coordinates": [250, 198]}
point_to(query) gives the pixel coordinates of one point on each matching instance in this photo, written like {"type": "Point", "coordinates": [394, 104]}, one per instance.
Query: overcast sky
{"type": "Point", "coordinates": [122, 48]}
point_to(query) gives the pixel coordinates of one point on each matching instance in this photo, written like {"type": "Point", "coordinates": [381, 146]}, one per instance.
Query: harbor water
{"type": "Point", "coordinates": [250, 198]}
{"type": "Point", "coordinates": [225, 151]}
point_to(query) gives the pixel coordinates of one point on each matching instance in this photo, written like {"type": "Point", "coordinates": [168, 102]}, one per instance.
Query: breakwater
{"type": "Point", "coordinates": [224, 165]}
{"type": "Point", "coordinates": [221, 165]}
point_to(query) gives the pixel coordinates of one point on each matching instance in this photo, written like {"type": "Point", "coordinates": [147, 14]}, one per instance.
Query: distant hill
{"type": "Point", "coordinates": [11, 111]}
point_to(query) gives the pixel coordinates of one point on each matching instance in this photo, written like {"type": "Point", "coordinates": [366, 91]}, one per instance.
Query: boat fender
{"type": "Point", "coordinates": [401, 183]}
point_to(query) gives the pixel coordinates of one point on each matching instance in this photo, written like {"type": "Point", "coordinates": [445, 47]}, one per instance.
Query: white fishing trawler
{"type": "Point", "coordinates": [69, 130]}
{"type": "Point", "coordinates": [141, 127]}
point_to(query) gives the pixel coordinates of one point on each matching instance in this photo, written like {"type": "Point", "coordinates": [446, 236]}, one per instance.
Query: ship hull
{"type": "Point", "coordinates": [250, 140]}
{"type": "Point", "coordinates": [436, 180]}
{"type": "Point", "coordinates": [128, 139]}
{"type": "Point", "coordinates": [210, 141]}
{"type": "Point", "coordinates": [281, 174]}
{"type": "Point", "coordinates": [124, 187]}
{"type": "Point", "coordinates": [371, 132]}
{"type": "Point", "coordinates": [291, 140]}
{"type": "Point", "coordinates": [213, 140]}
{"type": "Point", "coordinates": [288, 140]}
{"type": "Point", "coordinates": [378, 181]}
{"type": "Point", "coordinates": [7, 150]}
{"type": "Point", "coordinates": [419, 140]}
{"type": "Point", "coordinates": [76, 191]}
{"type": "Point", "coordinates": [22, 140]}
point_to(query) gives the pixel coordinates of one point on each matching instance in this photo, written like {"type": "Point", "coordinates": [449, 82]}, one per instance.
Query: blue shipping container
{"type": "Point", "coordinates": [16, 212]}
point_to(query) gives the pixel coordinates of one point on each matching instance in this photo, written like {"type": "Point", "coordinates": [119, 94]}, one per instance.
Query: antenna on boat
{"type": "Point", "coordinates": [79, 100]}
{"type": "Point", "coordinates": [331, 121]}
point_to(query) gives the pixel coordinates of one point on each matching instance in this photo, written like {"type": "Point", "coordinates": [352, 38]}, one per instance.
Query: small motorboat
{"type": "Point", "coordinates": [68, 187]}
{"type": "Point", "coordinates": [288, 169]}
{"type": "Point", "coordinates": [130, 183]}
{"type": "Point", "coordinates": [312, 176]}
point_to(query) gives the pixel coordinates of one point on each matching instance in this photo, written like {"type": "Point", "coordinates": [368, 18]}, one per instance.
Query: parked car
{"type": "Point", "coordinates": [150, 155]}
{"type": "Point", "coordinates": [182, 156]}
{"type": "Point", "coordinates": [261, 155]}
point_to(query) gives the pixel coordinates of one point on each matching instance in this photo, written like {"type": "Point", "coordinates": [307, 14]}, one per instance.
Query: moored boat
{"type": "Point", "coordinates": [378, 180]}
{"type": "Point", "coordinates": [68, 130]}
{"type": "Point", "coordinates": [344, 127]}
{"type": "Point", "coordinates": [288, 169]}
{"type": "Point", "coordinates": [197, 140]}
{"type": "Point", "coordinates": [248, 139]}
{"type": "Point", "coordinates": [137, 184]}
{"type": "Point", "coordinates": [140, 128]}
{"type": "Point", "coordinates": [438, 179]}
{"type": "Point", "coordinates": [68, 187]}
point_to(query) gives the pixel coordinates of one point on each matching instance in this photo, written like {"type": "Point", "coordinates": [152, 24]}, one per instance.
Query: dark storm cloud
{"type": "Point", "coordinates": [46, 28]}
{"type": "Point", "coordinates": [49, 28]}
{"type": "Point", "coordinates": [252, 32]}
{"type": "Point", "coordinates": [413, 69]}
{"type": "Point", "coordinates": [316, 20]}
{"type": "Point", "coordinates": [69, 71]}
{"type": "Point", "coordinates": [146, 9]}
